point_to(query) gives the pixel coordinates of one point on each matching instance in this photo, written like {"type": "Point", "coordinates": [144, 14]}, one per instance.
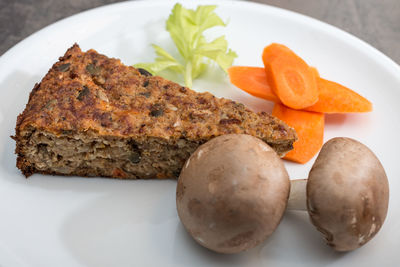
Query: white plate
{"type": "Point", "coordinates": [61, 221]}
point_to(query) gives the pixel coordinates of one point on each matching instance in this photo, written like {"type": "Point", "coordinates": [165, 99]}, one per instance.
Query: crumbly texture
{"type": "Point", "coordinates": [93, 116]}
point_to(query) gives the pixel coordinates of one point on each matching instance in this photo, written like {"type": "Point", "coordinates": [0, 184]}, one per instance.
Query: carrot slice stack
{"type": "Point", "coordinates": [301, 96]}
{"type": "Point", "coordinates": [333, 97]}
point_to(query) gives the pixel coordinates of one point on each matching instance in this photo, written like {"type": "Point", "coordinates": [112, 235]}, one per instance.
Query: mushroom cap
{"type": "Point", "coordinates": [232, 193]}
{"type": "Point", "coordinates": [347, 193]}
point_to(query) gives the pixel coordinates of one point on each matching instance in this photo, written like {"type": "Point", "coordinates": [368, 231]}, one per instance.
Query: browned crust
{"type": "Point", "coordinates": [91, 92]}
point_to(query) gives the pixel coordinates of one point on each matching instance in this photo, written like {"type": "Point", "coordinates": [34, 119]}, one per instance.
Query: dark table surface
{"type": "Point", "coordinates": [375, 21]}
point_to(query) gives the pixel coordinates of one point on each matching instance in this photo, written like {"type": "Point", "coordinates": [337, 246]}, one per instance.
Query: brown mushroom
{"type": "Point", "coordinates": [232, 193]}
{"type": "Point", "coordinates": [346, 194]}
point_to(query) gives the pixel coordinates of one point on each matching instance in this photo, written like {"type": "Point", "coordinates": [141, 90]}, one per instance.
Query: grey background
{"type": "Point", "coordinates": [375, 21]}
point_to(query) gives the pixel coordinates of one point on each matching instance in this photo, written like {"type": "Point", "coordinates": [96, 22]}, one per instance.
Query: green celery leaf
{"type": "Point", "coordinates": [186, 28]}
{"type": "Point", "coordinates": [198, 67]}
{"type": "Point", "coordinates": [156, 67]}
{"type": "Point", "coordinates": [162, 54]}
{"type": "Point", "coordinates": [213, 49]}
{"type": "Point", "coordinates": [163, 61]}
{"type": "Point", "coordinates": [225, 60]}
{"type": "Point", "coordinates": [181, 29]}
{"type": "Point", "coordinates": [205, 18]}
{"type": "Point", "coordinates": [217, 51]}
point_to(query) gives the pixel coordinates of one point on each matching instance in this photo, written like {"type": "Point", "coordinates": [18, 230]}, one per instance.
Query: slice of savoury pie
{"type": "Point", "coordinates": [93, 116]}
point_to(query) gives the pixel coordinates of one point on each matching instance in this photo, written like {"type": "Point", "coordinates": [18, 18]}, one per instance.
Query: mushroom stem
{"type": "Point", "coordinates": [298, 196]}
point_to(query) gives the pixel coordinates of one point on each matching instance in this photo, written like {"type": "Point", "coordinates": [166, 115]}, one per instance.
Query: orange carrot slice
{"type": "Point", "coordinates": [290, 77]}
{"type": "Point", "coordinates": [310, 131]}
{"type": "Point", "coordinates": [315, 71]}
{"type": "Point", "coordinates": [336, 98]}
{"type": "Point", "coordinates": [253, 81]}
{"type": "Point", "coordinates": [333, 97]}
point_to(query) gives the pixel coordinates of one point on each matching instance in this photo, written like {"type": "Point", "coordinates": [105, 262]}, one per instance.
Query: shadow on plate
{"type": "Point", "coordinates": [125, 227]}
{"type": "Point", "coordinates": [297, 241]}
{"type": "Point", "coordinates": [335, 119]}
{"type": "Point", "coordinates": [295, 230]}
{"type": "Point", "coordinates": [348, 119]}
{"type": "Point", "coordinates": [187, 252]}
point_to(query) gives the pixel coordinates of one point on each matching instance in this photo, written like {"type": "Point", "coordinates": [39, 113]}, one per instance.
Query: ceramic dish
{"type": "Point", "coordinates": [72, 221]}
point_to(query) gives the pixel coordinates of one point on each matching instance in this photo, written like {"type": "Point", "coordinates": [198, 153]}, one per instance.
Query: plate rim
{"type": "Point", "coordinates": [380, 58]}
